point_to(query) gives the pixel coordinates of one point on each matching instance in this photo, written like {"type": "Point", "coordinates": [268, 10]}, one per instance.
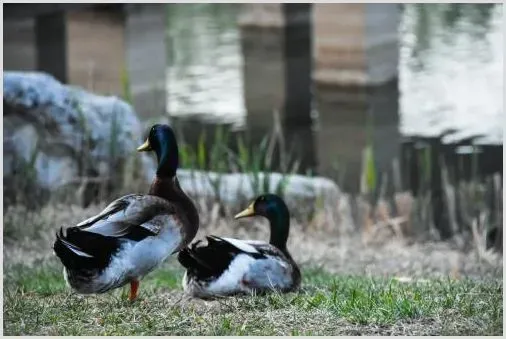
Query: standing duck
{"type": "Point", "coordinates": [135, 233]}
{"type": "Point", "coordinates": [227, 266]}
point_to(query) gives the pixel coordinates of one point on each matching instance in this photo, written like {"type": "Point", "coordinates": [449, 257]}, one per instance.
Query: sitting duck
{"type": "Point", "coordinates": [226, 266]}
{"type": "Point", "coordinates": [133, 234]}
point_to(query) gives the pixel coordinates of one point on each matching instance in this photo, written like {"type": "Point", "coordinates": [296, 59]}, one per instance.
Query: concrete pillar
{"type": "Point", "coordinates": [356, 44]}
{"type": "Point", "coordinates": [95, 49]}
{"type": "Point", "coordinates": [355, 78]}
{"type": "Point", "coordinates": [298, 63]}
{"type": "Point", "coordinates": [51, 44]}
{"type": "Point", "coordinates": [82, 46]}
{"type": "Point", "coordinates": [296, 116]}
{"type": "Point", "coordinates": [262, 34]}
{"type": "Point", "coordinates": [146, 55]}
{"type": "Point", "coordinates": [277, 58]}
{"type": "Point", "coordinates": [19, 52]}
{"type": "Point", "coordinates": [354, 56]}
{"type": "Point", "coordinates": [276, 45]}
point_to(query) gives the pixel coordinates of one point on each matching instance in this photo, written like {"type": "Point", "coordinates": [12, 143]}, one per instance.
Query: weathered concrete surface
{"type": "Point", "coordinates": [146, 57]}
{"type": "Point", "coordinates": [97, 47]}
{"type": "Point", "coordinates": [19, 11]}
{"type": "Point", "coordinates": [356, 44]}
{"type": "Point", "coordinates": [19, 51]}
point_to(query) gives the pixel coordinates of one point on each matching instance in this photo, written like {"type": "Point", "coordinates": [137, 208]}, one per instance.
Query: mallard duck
{"type": "Point", "coordinates": [134, 233]}
{"type": "Point", "coordinates": [227, 266]}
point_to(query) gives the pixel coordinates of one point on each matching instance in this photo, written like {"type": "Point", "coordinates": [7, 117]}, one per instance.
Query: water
{"type": "Point", "coordinates": [205, 63]}
{"type": "Point", "coordinates": [219, 73]}
{"type": "Point", "coordinates": [450, 76]}
{"type": "Point", "coordinates": [451, 70]}
{"type": "Point", "coordinates": [450, 66]}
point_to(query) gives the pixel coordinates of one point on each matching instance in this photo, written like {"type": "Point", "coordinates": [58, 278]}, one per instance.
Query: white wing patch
{"type": "Point", "coordinates": [245, 274]}
{"type": "Point", "coordinates": [78, 252]}
{"type": "Point", "coordinates": [242, 245]}
{"type": "Point", "coordinates": [269, 273]}
{"type": "Point", "coordinates": [230, 280]}
{"type": "Point", "coordinates": [86, 221]}
{"type": "Point", "coordinates": [257, 242]}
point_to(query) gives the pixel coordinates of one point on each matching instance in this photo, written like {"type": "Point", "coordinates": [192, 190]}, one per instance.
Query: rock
{"type": "Point", "coordinates": [301, 193]}
{"type": "Point", "coordinates": [53, 126]}
{"type": "Point", "coordinates": [231, 185]}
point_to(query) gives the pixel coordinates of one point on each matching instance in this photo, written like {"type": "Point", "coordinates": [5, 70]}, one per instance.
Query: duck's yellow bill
{"type": "Point", "coordinates": [144, 147]}
{"type": "Point", "coordinates": [248, 212]}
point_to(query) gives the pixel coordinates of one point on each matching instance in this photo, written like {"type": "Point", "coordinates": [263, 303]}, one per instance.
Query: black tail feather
{"type": "Point", "coordinates": [191, 261]}
{"type": "Point", "coordinates": [80, 249]}
{"type": "Point", "coordinates": [207, 261]}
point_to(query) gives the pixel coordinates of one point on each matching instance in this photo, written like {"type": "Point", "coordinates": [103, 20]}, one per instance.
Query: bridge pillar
{"type": "Point", "coordinates": [298, 59]}
{"type": "Point", "coordinates": [356, 44]}
{"type": "Point", "coordinates": [102, 48]}
{"type": "Point", "coordinates": [276, 44]}
{"type": "Point", "coordinates": [146, 58]}
{"type": "Point", "coordinates": [95, 47]}
{"type": "Point", "coordinates": [50, 42]}
{"type": "Point", "coordinates": [261, 28]}
{"type": "Point", "coordinates": [339, 60]}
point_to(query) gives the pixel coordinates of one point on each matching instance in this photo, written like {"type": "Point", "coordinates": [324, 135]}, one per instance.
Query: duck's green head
{"type": "Point", "coordinates": [162, 141]}
{"type": "Point", "coordinates": [275, 210]}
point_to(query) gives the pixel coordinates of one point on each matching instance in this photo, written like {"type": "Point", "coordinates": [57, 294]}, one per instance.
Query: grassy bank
{"type": "Point", "coordinates": [353, 292]}
{"type": "Point", "coordinates": [36, 302]}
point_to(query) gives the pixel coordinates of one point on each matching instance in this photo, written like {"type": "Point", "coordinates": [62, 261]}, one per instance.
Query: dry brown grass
{"type": "Point", "coordinates": [28, 236]}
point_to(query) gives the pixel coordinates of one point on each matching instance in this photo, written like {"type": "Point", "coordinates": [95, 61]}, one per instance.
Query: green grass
{"type": "Point", "coordinates": [37, 302]}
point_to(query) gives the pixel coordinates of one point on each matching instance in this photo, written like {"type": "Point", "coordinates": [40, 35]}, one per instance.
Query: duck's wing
{"type": "Point", "coordinates": [91, 243]}
{"type": "Point", "coordinates": [269, 269]}
{"type": "Point", "coordinates": [275, 272]}
{"type": "Point", "coordinates": [211, 260]}
{"type": "Point", "coordinates": [114, 207]}
{"type": "Point", "coordinates": [227, 266]}
{"type": "Point", "coordinates": [133, 216]}
{"type": "Point", "coordinates": [264, 248]}
{"type": "Point", "coordinates": [257, 249]}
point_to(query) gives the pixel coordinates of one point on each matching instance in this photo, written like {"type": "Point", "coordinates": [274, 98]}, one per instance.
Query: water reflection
{"type": "Point", "coordinates": [451, 59]}
{"type": "Point", "coordinates": [204, 67]}
{"type": "Point", "coordinates": [451, 62]}
{"type": "Point", "coordinates": [344, 116]}
{"type": "Point", "coordinates": [263, 74]}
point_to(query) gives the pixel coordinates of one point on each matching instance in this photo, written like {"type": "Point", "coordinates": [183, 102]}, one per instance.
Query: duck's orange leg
{"type": "Point", "coordinates": [134, 287]}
